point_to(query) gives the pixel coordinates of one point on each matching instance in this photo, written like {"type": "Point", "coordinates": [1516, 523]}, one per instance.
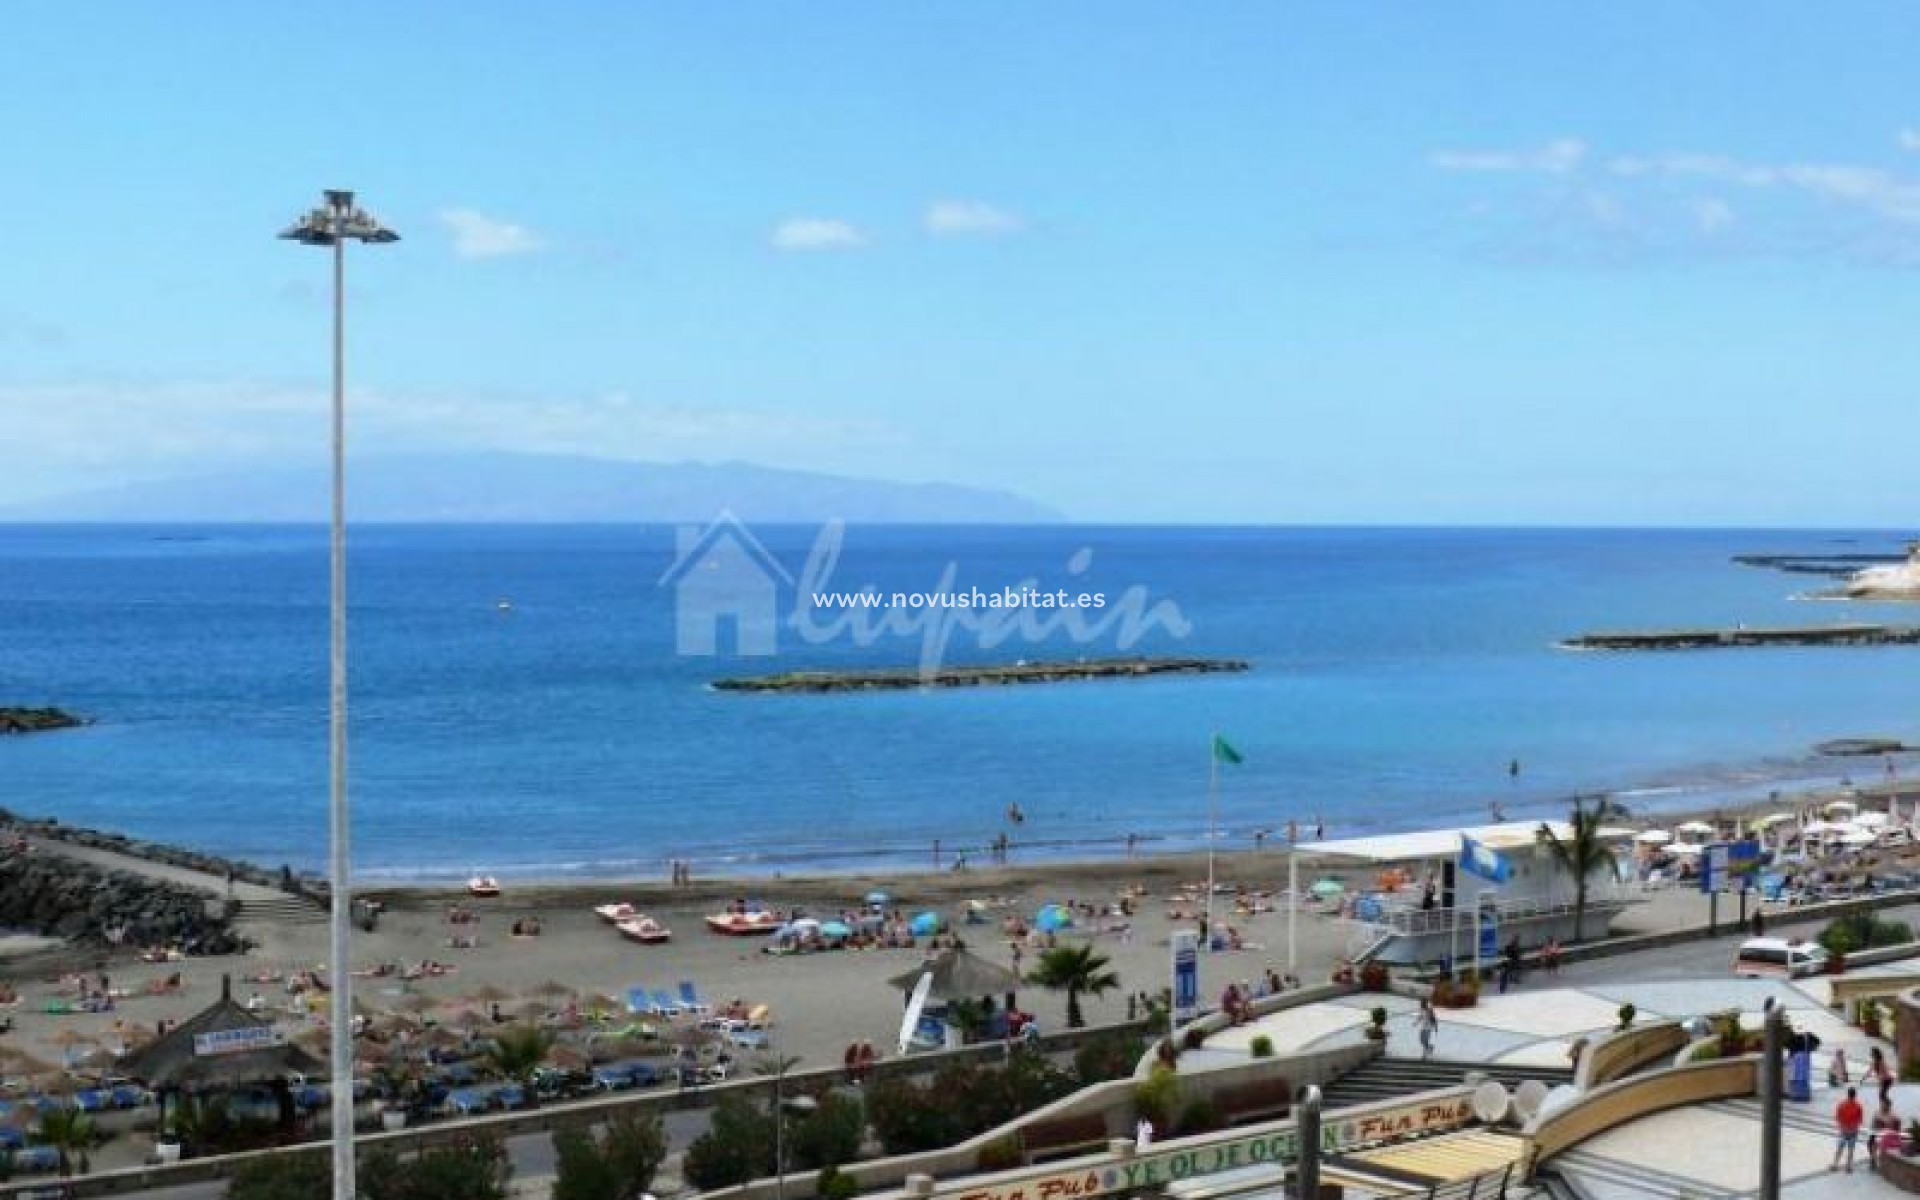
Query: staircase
{"type": "Point", "coordinates": [1392, 1078]}
{"type": "Point", "coordinates": [284, 909]}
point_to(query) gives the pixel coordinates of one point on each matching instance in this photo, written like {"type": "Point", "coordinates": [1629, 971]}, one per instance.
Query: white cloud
{"type": "Point", "coordinates": [1712, 214]}
{"type": "Point", "coordinates": [476, 235]}
{"type": "Point", "coordinates": [817, 233]}
{"type": "Point", "coordinates": [963, 218]}
{"type": "Point", "coordinates": [1557, 157]}
{"type": "Point", "coordinates": [1910, 139]}
{"type": "Point", "coordinates": [1891, 196]}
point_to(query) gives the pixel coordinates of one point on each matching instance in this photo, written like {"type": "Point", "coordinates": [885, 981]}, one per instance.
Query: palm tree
{"type": "Point", "coordinates": [518, 1052]}
{"type": "Point", "coordinates": [1074, 970]}
{"type": "Point", "coordinates": [1582, 852]}
{"type": "Point", "coordinates": [69, 1131]}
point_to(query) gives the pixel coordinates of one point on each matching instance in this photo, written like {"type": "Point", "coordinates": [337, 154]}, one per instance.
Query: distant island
{"type": "Point", "coordinates": [36, 720]}
{"type": "Point", "coordinates": [1022, 672]}
{"type": "Point", "coordinates": [499, 487]}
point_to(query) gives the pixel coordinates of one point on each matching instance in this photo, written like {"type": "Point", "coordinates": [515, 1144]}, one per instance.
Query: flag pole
{"type": "Point", "coordinates": [1213, 795]}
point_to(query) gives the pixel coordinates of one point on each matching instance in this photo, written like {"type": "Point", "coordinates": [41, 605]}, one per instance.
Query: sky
{"type": "Point", "coordinates": [1614, 263]}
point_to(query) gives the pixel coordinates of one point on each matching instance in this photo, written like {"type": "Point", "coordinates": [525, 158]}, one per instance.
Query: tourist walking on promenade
{"type": "Point", "coordinates": [1879, 1072]}
{"type": "Point", "coordinates": [1837, 1069]}
{"type": "Point", "coordinates": [1848, 1116]}
{"type": "Point", "coordinates": [1428, 1024]}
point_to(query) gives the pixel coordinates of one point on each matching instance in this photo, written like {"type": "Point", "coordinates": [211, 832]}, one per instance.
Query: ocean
{"type": "Point", "coordinates": [521, 704]}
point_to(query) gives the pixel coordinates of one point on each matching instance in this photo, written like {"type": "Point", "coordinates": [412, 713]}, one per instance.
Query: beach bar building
{"type": "Point", "coordinates": [221, 1051]}
{"type": "Point", "coordinates": [1412, 898]}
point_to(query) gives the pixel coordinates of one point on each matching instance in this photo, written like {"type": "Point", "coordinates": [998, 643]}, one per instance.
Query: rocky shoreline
{"type": "Point", "coordinates": [55, 896]}
{"type": "Point", "coordinates": [37, 720]}
{"type": "Point", "coordinates": [155, 852]}
{"type": "Point", "coordinates": [991, 676]}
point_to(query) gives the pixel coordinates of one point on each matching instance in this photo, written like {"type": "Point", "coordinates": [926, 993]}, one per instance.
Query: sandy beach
{"type": "Point", "coordinates": [820, 1002]}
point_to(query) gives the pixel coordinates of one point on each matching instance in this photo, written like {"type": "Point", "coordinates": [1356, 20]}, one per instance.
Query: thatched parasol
{"type": "Point", "coordinates": [414, 1002]}
{"type": "Point", "coordinates": [489, 995]}
{"type": "Point", "coordinates": [532, 1010]}
{"type": "Point", "coordinates": [554, 988]}
{"type": "Point", "coordinates": [959, 975]}
{"type": "Point", "coordinates": [67, 1039]}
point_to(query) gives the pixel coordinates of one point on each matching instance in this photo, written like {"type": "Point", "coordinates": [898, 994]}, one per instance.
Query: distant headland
{"type": "Point", "coordinates": [1022, 672]}
{"type": "Point", "coordinates": [36, 720]}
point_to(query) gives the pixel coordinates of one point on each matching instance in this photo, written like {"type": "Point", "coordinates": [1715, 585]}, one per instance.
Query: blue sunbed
{"type": "Point", "coordinates": [690, 999]}
{"type": "Point", "coordinates": [665, 1005]}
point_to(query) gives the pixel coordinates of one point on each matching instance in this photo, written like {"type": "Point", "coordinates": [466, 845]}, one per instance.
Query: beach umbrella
{"type": "Point", "coordinates": [1653, 837]}
{"type": "Point", "coordinates": [1771, 819]}
{"type": "Point", "coordinates": [1684, 848]}
{"type": "Point", "coordinates": [835, 929]}
{"type": "Point", "coordinates": [1327, 888]}
{"type": "Point", "coordinates": [1694, 827]}
{"type": "Point", "coordinates": [1858, 837]}
{"type": "Point", "coordinates": [926, 924]}
{"type": "Point", "coordinates": [1872, 820]}
{"type": "Point", "coordinates": [1052, 917]}
{"type": "Point", "coordinates": [1841, 806]}
{"type": "Point", "coordinates": [879, 899]}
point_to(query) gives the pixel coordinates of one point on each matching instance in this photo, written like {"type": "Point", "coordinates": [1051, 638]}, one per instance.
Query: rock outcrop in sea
{"type": "Point", "coordinates": [1898, 581]}
{"type": "Point", "coordinates": [36, 720]}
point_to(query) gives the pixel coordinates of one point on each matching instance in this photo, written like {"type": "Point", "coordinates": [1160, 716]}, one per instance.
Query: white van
{"type": "Point", "coordinates": [1779, 957]}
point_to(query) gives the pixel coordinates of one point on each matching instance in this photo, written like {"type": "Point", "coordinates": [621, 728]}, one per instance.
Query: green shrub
{"type": "Point", "coordinates": [1156, 1097]}
{"type": "Point", "coordinates": [1200, 1115]}
{"type": "Point", "coordinates": [1704, 1052]}
{"type": "Point", "coordinates": [1261, 1046]}
{"type": "Point", "coordinates": [1626, 1014]}
{"type": "Point", "coordinates": [472, 1168]}
{"type": "Point", "coordinates": [1001, 1154]}
{"type": "Point", "coordinates": [282, 1177]}
{"type": "Point", "coordinates": [827, 1136]}
{"type": "Point", "coordinates": [1863, 931]}
{"type": "Point", "coordinates": [617, 1165]}
{"type": "Point", "coordinates": [835, 1184]}
{"type": "Point", "coordinates": [737, 1146]}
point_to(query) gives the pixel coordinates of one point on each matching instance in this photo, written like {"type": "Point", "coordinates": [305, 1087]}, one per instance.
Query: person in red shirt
{"type": "Point", "coordinates": [1848, 1116]}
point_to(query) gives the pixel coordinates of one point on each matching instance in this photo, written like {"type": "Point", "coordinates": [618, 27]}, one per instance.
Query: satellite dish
{"type": "Point", "coordinates": [1527, 1099]}
{"type": "Point", "coordinates": [1491, 1102]}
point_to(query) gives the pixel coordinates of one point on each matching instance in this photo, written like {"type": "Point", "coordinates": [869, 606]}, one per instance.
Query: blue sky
{"type": "Point", "coordinates": [1611, 263]}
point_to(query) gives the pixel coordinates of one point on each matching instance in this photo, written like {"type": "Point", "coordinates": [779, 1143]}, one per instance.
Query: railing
{"type": "Point", "coordinates": [1443, 920]}
{"type": "Point", "coordinates": [1488, 1185]}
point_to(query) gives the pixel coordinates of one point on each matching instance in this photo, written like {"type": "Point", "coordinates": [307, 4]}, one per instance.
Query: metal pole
{"type": "Point", "coordinates": [341, 979]}
{"type": "Point", "coordinates": [1213, 789]}
{"type": "Point", "coordinates": [1770, 1098]}
{"type": "Point", "coordinates": [1293, 903]}
{"type": "Point", "coordinates": [1307, 1178]}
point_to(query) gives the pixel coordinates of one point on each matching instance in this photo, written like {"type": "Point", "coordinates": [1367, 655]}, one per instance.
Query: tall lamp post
{"type": "Point", "coordinates": [335, 223]}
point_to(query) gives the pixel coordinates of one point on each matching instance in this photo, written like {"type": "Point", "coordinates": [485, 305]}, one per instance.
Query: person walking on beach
{"type": "Point", "coordinates": [1848, 1116]}
{"type": "Point", "coordinates": [1880, 1073]}
{"type": "Point", "coordinates": [1837, 1069]}
{"type": "Point", "coordinates": [1427, 1022]}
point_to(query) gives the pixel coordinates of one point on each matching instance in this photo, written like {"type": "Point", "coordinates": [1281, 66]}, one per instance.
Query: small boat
{"type": "Point", "coordinates": [744, 924]}
{"type": "Point", "coordinates": [613, 914]}
{"type": "Point", "coordinates": [483, 886]}
{"type": "Point", "coordinates": [503, 605]}
{"type": "Point", "coordinates": [645, 930]}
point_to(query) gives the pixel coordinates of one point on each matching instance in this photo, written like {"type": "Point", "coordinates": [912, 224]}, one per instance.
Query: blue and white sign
{"type": "Point", "coordinates": [1489, 935]}
{"type": "Point", "coordinates": [1186, 975]}
{"type": "Point", "coordinates": [1713, 867]}
{"type": "Point", "coordinates": [236, 1041]}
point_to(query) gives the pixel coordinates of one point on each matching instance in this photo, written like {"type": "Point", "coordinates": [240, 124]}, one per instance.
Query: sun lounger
{"type": "Point", "coordinates": [750, 1039]}
{"type": "Point", "coordinates": [11, 1138]}
{"type": "Point", "coordinates": [91, 1100]}
{"type": "Point", "coordinates": [511, 1095]}
{"type": "Point", "coordinates": [759, 1017]}
{"type": "Point", "coordinates": [467, 1101]}
{"type": "Point", "coordinates": [665, 1005]}
{"type": "Point", "coordinates": [691, 1001]}
{"type": "Point", "coordinates": [638, 1002]}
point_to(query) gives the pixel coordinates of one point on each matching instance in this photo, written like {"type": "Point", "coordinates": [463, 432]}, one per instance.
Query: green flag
{"type": "Point", "coordinates": [1223, 752]}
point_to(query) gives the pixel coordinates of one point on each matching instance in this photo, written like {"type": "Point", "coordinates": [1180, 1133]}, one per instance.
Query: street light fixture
{"type": "Point", "coordinates": [335, 223]}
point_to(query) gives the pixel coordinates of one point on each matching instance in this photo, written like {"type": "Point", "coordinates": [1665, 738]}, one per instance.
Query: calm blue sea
{"type": "Point", "coordinates": [1396, 673]}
